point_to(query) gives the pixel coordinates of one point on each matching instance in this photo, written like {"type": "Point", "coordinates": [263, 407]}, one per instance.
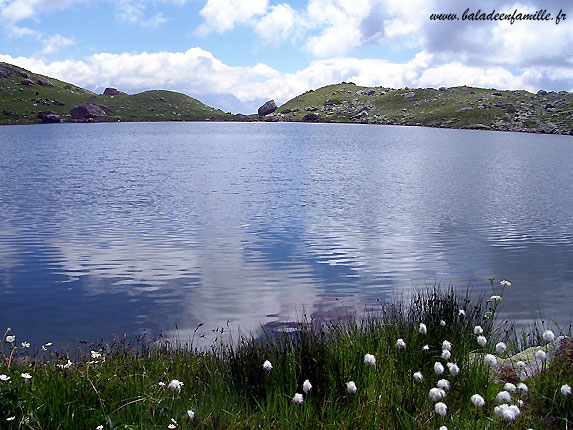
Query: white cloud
{"type": "Point", "coordinates": [222, 15]}
{"type": "Point", "coordinates": [280, 23]}
{"type": "Point", "coordinates": [55, 42]}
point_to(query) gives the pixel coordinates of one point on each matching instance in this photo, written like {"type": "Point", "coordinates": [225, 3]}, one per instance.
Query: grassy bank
{"type": "Point", "coordinates": [361, 374]}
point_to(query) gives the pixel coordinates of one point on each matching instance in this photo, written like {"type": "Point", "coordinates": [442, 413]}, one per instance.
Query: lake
{"type": "Point", "coordinates": [157, 227]}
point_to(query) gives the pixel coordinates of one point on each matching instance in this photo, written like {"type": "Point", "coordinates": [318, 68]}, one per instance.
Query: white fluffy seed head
{"type": "Point", "coordinates": [436, 394]}
{"type": "Point", "coordinates": [490, 360]}
{"type": "Point", "coordinates": [306, 386]}
{"type": "Point", "coordinates": [438, 368]}
{"type": "Point", "coordinates": [447, 345]}
{"type": "Point", "coordinates": [478, 400]}
{"type": "Point", "coordinates": [175, 385]}
{"type": "Point", "coordinates": [442, 323]}
{"type": "Point", "coordinates": [423, 329]}
{"type": "Point", "coordinates": [446, 355]}
{"type": "Point", "coordinates": [370, 360]}
{"type": "Point", "coordinates": [522, 388]}
{"type": "Point", "coordinates": [566, 390]}
{"type": "Point", "coordinates": [500, 348]}
{"type": "Point", "coordinates": [441, 409]}
{"type": "Point", "coordinates": [426, 348]}
{"type": "Point", "coordinates": [461, 313]}
{"type": "Point", "coordinates": [548, 336]}
{"type": "Point", "coordinates": [540, 355]}
{"type": "Point", "coordinates": [400, 344]}
{"type": "Point", "coordinates": [503, 397]}
{"type": "Point", "coordinates": [267, 365]}
{"type": "Point", "coordinates": [298, 399]}
{"type": "Point", "coordinates": [478, 330]}
{"type": "Point", "coordinates": [508, 413]}
{"type": "Point", "coordinates": [453, 369]}
{"type": "Point", "coordinates": [510, 387]}
{"type": "Point", "coordinates": [444, 384]}
{"type": "Point", "coordinates": [418, 376]}
{"type": "Point", "coordinates": [351, 387]}
{"type": "Point", "coordinates": [482, 341]}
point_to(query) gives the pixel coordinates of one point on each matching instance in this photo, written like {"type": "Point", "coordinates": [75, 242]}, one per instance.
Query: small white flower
{"type": "Point", "coordinates": [447, 345]}
{"type": "Point", "coordinates": [548, 336]}
{"type": "Point", "coordinates": [505, 283]}
{"type": "Point", "coordinates": [400, 344]}
{"type": "Point", "coordinates": [496, 299]}
{"type": "Point", "coordinates": [65, 366]}
{"type": "Point", "coordinates": [351, 387]}
{"type": "Point", "coordinates": [566, 390]}
{"type": "Point", "coordinates": [522, 388]}
{"type": "Point", "coordinates": [443, 428]}
{"type": "Point", "coordinates": [510, 387]}
{"type": "Point", "coordinates": [490, 360]}
{"type": "Point", "coordinates": [26, 376]}
{"type": "Point", "coordinates": [438, 368]}
{"type": "Point", "coordinates": [461, 313]}
{"type": "Point", "coordinates": [446, 355]}
{"type": "Point", "coordinates": [436, 394]}
{"type": "Point", "coordinates": [540, 355]}
{"type": "Point", "coordinates": [441, 409]}
{"type": "Point", "coordinates": [49, 344]}
{"type": "Point", "coordinates": [171, 426]}
{"type": "Point", "coordinates": [4, 378]}
{"type": "Point", "coordinates": [423, 329]}
{"type": "Point", "coordinates": [10, 418]}
{"type": "Point", "coordinates": [482, 341]}
{"type": "Point", "coordinates": [298, 399]}
{"type": "Point", "coordinates": [500, 348]}
{"type": "Point", "coordinates": [442, 323]}
{"type": "Point", "coordinates": [478, 400]}
{"type": "Point", "coordinates": [370, 360]}
{"type": "Point", "coordinates": [418, 376]}
{"type": "Point", "coordinates": [520, 363]}
{"type": "Point", "coordinates": [453, 368]}
{"type": "Point", "coordinates": [10, 338]}
{"type": "Point", "coordinates": [100, 427]}
{"type": "Point", "coordinates": [175, 385]}
{"type": "Point", "coordinates": [426, 348]}
{"type": "Point", "coordinates": [161, 384]}
{"type": "Point", "coordinates": [190, 414]}
{"type": "Point", "coordinates": [25, 344]}
{"type": "Point", "coordinates": [503, 397]}
{"type": "Point", "coordinates": [508, 413]}
{"type": "Point", "coordinates": [95, 354]}
{"type": "Point", "coordinates": [306, 386]}
{"type": "Point", "coordinates": [444, 384]}
{"type": "Point", "coordinates": [267, 366]}
{"type": "Point", "coordinates": [478, 330]}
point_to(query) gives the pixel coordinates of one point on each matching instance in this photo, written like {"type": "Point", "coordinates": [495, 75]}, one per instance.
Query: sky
{"type": "Point", "coordinates": [236, 54]}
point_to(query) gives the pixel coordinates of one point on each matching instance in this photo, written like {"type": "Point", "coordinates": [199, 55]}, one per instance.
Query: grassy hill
{"type": "Point", "coordinates": [24, 94]}
{"type": "Point", "coordinates": [458, 107]}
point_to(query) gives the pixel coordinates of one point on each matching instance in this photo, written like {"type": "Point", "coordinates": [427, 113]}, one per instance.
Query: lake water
{"type": "Point", "coordinates": [120, 228]}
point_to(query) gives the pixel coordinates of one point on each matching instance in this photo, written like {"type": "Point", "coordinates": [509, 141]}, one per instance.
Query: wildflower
{"type": "Point", "coordinates": [306, 386]}
{"type": "Point", "coordinates": [100, 427]}
{"type": "Point", "coordinates": [400, 344]}
{"type": "Point", "coordinates": [174, 423]}
{"type": "Point", "coordinates": [65, 366]}
{"type": "Point", "coordinates": [426, 348]}
{"type": "Point", "coordinates": [520, 363]}
{"type": "Point", "coordinates": [370, 360]}
{"type": "Point", "coordinates": [4, 378]}
{"type": "Point", "coordinates": [540, 355]}
{"type": "Point", "coordinates": [522, 388]}
{"type": "Point", "coordinates": [478, 400]}
{"type": "Point", "coordinates": [446, 355]}
{"type": "Point", "coordinates": [423, 329]}
{"type": "Point", "coordinates": [566, 390]}
{"type": "Point", "coordinates": [490, 360]}
{"type": "Point", "coordinates": [175, 385]}
{"type": "Point", "coordinates": [510, 387]}
{"type": "Point", "coordinates": [453, 368]}
{"type": "Point", "coordinates": [297, 399]}
{"type": "Point", "coordinates": [478, 330]}
{"type": "Point", "coordinates": [25, 344]}
{"type": "Point", "coordinates": [500, 348]}
{"type": "Point", "coordinates": [461, 313]}
{"type": "Point", "coordinates": [171, 426]}
{"type": "Point", "coordinates": [267, 366]}
{"type": "Point", "coordinates": [161, 384]}
{"type": "Point", "coordinates": [520, 403]}
{"type": "Point", "coordinates": [10, 338]}
{"type": "Point", "coordinates": [48, 344]}
{"type": "Point", "coordinates": [436, 394]}
{"type": "Point", "coordinates": [438, 368]}
{"type": "Point", "coordinates": [503, 397]}
{"type": "Point", "coordinates": [443, 428]}
{"type": "Point", "coordinates": [351, 387]}
{"type": "Point", "coordinates": [505, 283]}
{"type": "Point", "coordinates": [441, 409]}
{"type": "Point", "coordinates": [190, 414]}
{"type": "Point", "coordinates": [442, 323]}
{"type": "Point", "coordinates": [10, 418]}
{"type": "Point", "coordinates": [418, 376]}
{"type": "Point", "coordinates": [95, 354]}
{"type": "Point", "coordinates": [444, 384]}
{"type": "Point", "coordinates": [482, 341]}
{"type": "Point", "coordinates": [26, 376]}
{"type": "Point", "coordinates": [548, 336]}
{"type": "Point", "coordinates": [508, 413]}
{"type": "Point", "coordinates": [447, 345]}
{"type": "Point", "coordinates": [488, 315]}
{"type": "Point", "coordinates": [495, 299]}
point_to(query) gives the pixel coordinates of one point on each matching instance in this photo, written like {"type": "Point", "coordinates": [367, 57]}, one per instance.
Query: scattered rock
{"type": "Point", "coordinates": [58, 103]}
{"type": "Point", "coordinates": [44, 83]}
{"type": "Point", "coordinates": [28, 82]}
{"type": "Point", "coordinates": [88, 110]}
{"type": "Point", "coordinates": [409, 96]}
{"type": "Point", "coordinates": [549, 106]}
{"type": "Point", "coordinates": [49, 117]}
{"type": "Point", "coordinates": [112, 92]}
{"type": "Point", "coordinates": [9, 112]}
{"type": "Point", "coordinates": [442, 89]}
{"type": "Point", "coordinates": [541, 93]}
{"type": "Point", "coordinates": [267, 108]}
{"type": "Point", "coordinates": [496, 94]}
{"type": "Point", "coordinates": [311, 117]}
{"type": "Point", "coordinates": [311, 109]}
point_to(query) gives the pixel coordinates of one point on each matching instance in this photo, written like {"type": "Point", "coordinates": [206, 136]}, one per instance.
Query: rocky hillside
{"type": "Point", "coordinates": [26, 97]}
{"type": "Point", "coordinates": [458, 107]}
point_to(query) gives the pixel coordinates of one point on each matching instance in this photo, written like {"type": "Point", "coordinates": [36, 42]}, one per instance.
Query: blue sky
{"type": "Point", "coordinates": [236, 54]}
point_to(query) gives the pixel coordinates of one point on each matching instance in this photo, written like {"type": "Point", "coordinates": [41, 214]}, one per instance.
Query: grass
{"type": "Point", "coordinates": [127, 387]}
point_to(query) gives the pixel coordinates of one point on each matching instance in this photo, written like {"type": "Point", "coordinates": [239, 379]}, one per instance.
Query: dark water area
{"type": "Point", "coordinates": [123, 228]}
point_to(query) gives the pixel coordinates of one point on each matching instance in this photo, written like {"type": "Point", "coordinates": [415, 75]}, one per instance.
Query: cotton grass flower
{"type": "Point", "coordinates": [25, 344]}
{"type": "Point", "coordinates": [175, 385]}
{"type": "Point", "coordinates": [520, 364]}
{"type": "Point", "coordinates": [441, 409]}
{"type": "Point", "coordinates": [548, 336]}
{"type": "Point", "coordinates": [436, 394]}
{"type": "Point", "coordinates": [482, 341]}
{"type": "Point", "coordinates": [447, 345]}
{"type": "Point", "coordinates": [172, 426]}
{"type": "Point", "coordinates": [461, 313]}
{"type": "Point", "coordinates": [503, 397]}
{"type": "Point", "coordinates": [190, 414]}
{"type": "Point", "coordinates": [510, 387]}
{"type": "Point", "coordinates": [566, 390]}
{"type": "Point", "coordinates": [100, 427]}
{"type": "Point", "coordinates": [522, 388]}
{"type": "Point", "coordinates": [351, 387]}
{"type": "Point", "coordinates": [426, 348]}
{"type": "Point", "coordinates": [505, 283]}
{"type": "Point", "coordinates": [423, 329]}
{"type": "Point", "coordinates": [490, 360]}
{"type": "Point", "coordinates": [508, 413]}
{"type": "Point", "coordinates": [370, 360]}
{"type": "Point", "coordinates": [500, 347]}
{"type": "Point", "coordinates": [442, 323]}
{"type": "Point", "coordinates": [267, 366]}
{"type": "Point", "coordinates": [298, 399]}
{"type": "Point", "coordinates": [438, 368]}
{"type": "Point", "coordinates": [478, 400]}
{"type": "Point", "coordinates": [444, 384]}
{"type": "Point", "coordinates": [418, 376]}
{"type": "Point", "coordinates": [446, 355]}
{"type": "Point", "coordinates": [453, 369]}
{"type": "Point", "coordinates": [66, 365]}
{"type": "Point", "coordinates": [10, 418]}
{"type": "Point", "coordinates": [306, 386]}
{"type": "Point", "coordinates": [10, 338]}
{"type": "Point", "coordinates": [4, 378]}
{"type": "Point", "coordinates": [400, 344]}
{"type": "Point", "coordinates": [443, 428]}
{"type": "Point", "coordinates": [26, 376]}
{"type": "Point", "coordinates": [478, 330]}
{"type": "Point", "coordinates": [95, 355]}
{"type": "Point", "coordinates": [495, 299]}
{"type": "Point", "coordinates": [540, 355]}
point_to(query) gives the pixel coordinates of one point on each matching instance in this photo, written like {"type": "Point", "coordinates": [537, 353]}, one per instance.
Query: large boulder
{"type": "Point", "coordinates": [44, 83]}
{"type": "Point", "coordinates": [267, 108]}
{"type": "Point", "coordinates": [49, 117]}
{"type": "Point", "coordinates": [87, 111]}
{"type": "Point", "coordinates": [28, 82]}
{"type": "Point", "coordinates": [112, 92]}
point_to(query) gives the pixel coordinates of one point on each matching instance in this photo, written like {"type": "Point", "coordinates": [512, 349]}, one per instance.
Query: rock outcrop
{"type": "Point", "coordinates": [49, 117]}
{"type": "Point", "coordinates": [28, 82]}
{"type": "Point", "coordinates": [267, 108]}
{"type": "Point", "coordinates": [45, 83]}
{"type": "Point", "coordinates": [88, 111]}
{"type": "Point", "coordinates": [112, 92]}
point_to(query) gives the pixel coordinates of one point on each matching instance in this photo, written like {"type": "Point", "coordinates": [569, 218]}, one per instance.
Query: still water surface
{"type": "Point", "coordinates": [119, 228]}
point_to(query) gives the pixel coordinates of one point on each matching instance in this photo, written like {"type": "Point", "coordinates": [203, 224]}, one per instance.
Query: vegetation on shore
{"type": "Point", "coordinates": [439, 362]}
